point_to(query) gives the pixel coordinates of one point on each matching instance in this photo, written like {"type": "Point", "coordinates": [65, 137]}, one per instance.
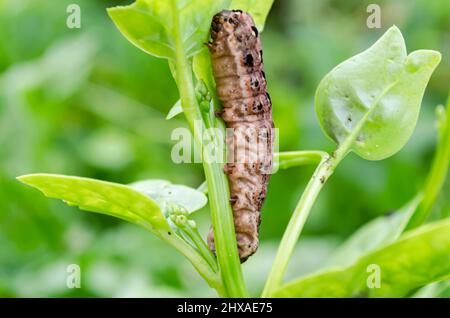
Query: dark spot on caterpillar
{"type": "Point", "coordinates": [248, 60]}
{"type": "Point", "coordinates": [322, 179]}
{"type": "Point", "coordinates": [233, 21]}
{"type": "Point", "coordinates": [215, 26]}
{"type": "Point", "coordinates": [349, 118]}
{"type": "Point", "coordinates": [261, 196]}
{"type": "Point", "coordinates": [261, 55]}
{"type": "Point", "coordinates": [249, 113]}
{"type": "Point", "coordinates": [255, 30]}
{"type": "Point", "coordinates": [239, 11]}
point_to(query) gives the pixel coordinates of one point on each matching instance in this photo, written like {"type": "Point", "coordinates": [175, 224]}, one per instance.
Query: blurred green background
{"type": "Point", "coordinates": [86, 102]}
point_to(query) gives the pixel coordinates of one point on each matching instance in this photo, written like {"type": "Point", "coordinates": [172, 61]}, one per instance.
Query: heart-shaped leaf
{"type": "Point", "coordinates": [370, 102]}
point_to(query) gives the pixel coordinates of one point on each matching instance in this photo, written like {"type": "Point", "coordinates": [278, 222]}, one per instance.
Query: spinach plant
{"type": "Point", "coordinates": [369, 104]}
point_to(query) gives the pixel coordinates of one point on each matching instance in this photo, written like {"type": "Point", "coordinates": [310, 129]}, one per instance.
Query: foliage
{"type": "Point", "coordinates": [102, 121]}
{"type": "Point", "coordinates": [424, 259]}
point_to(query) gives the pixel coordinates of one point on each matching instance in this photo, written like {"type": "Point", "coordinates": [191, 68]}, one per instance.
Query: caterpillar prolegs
{"type": "Point", "coordinates": [241, 86]}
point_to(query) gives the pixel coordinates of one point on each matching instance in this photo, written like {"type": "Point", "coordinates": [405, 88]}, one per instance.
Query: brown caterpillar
{"type": "Point", "coordinates": [241, 86]}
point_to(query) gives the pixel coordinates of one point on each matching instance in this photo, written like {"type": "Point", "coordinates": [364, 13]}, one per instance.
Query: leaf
{"type": "Point", "coordinates": [434, 290]}
{"type": "Point", "coordinates": [259, 9]}
{"type": "Point", "coordinates": [164, 192]}
{"type": "Point", "coordinates": [161, 28]}
{"type": "Point", "coordinates": [101, 197]}
{"type": "Point", "coordinates": [370, 102]}
{"type": "Point", "coordinates": [420, 257]}
{"type": "Point", "coordinates": [175, 110]}
{"type": "Point", "coordinates": [380, 231]}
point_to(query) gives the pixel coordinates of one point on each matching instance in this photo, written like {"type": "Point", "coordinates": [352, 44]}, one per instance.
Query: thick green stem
{"type": "Point", "coordinates": [224, 234]}
{"type": "Point", "coordinates": [221, 213]}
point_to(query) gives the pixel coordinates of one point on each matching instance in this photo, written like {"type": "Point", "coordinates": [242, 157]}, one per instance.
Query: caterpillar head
{"type": "Point", "coordinates": [227, 22]}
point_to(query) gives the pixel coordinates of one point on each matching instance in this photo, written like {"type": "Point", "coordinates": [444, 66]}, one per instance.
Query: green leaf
{"type": "Point", "coordinates": [101, 197]}
{"type": "Point", "coordinates": [164, 192]}
{"type": "Point", "coordinates": [420, 257]}
{"type": "Point", "coordinates": [161, 27]}
{"type": "Point", "coordinates": [259, 9]}
{"type": "Point", "coordinates": [175, 110]}
{"type": "Point", "coordinates": [380, 231]}
{"type": "Point", "coordinates": [434, 290]}
{"type": "Point", "coordinates": [370, 102]}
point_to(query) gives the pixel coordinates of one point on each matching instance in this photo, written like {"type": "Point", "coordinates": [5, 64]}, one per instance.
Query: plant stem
{"type": "Point", "coordinates": [289, 159]}
{"type": "Point", "coordinates": [203, 268]}
{"type": "Point", "coordinates": [295, 226]}
{"type": "Point", "coordinates": [438, 173]}
{"type": "Point", "coordinates": [286, 160]}
{"type": "Point", "coordinates": [193, 234]}
{"type": "Point", "coordinates": [322, 173]}
{"type": "Point", "coordinates": [218, 191]}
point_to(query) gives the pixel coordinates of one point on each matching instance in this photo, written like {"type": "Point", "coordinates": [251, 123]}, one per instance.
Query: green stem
{"type": "Point", "coordinates": [202, 247]}
{"type": "Point", "coordinates": [224, 234]}
{"type": "Point", "coordinates": [290, 237]}
{"type": "Point", "coordinates": [203, 268]}
{"type": "Point", "coordinates": [289, 159]}
{"type": "Point", "coordinates": [286, 160]}
{"type": "Point", "coordinates": [221, 213]}
{"type": "Point", "coordinates": [438, 173]}
{"type": "Point", "coordinates": [295, 226]}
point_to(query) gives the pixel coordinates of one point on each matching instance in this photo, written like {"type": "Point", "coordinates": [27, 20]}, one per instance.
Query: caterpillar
{"type": "Point", "coordinates": [237, 61]}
